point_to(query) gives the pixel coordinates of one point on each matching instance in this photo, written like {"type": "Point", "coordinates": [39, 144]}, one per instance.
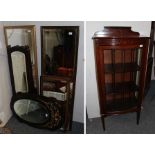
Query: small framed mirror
{"type": "Point", "coordinates": [24, 36]}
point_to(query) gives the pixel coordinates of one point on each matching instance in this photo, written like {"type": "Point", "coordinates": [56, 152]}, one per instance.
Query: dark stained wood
{"type": "Point", "coordinates": [120, 87]}
{"type": "Point", "coordinates": [121, 61]}
{"type": "Point", "coordinates": [116, 32]}
{"type": "Point", "coordinates": [118, 105]}
{"type": "Point", "coordinates": [26, 51]}
{"type": "Point", "coordinates": [128, 67]}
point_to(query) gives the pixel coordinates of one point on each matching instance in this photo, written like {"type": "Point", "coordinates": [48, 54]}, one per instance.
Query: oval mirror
{"type": "Point", "coordinates": [31, 111]}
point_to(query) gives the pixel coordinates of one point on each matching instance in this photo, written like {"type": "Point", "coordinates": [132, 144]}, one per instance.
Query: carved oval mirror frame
{"type": "Point", "coordinates": [52, 107]}
{"type": "Point", "coordinates": [27, 96]}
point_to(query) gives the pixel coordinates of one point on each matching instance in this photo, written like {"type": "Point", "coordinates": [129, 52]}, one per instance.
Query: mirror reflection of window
{"type": "Point", "coordinates": [21, 37]}
{"type": "Point", "coordinates": [31, 111]}
{"type": "Point", "coordinates": [19, 71]}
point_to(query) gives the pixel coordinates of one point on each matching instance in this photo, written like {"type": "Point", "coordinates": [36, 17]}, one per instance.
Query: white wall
{"type": "Point", "coordinates": [143, 27]}
{"type": "Point", "coordinates": [79, 91]}
{"type": "Point", "coordinates": [5, 85]}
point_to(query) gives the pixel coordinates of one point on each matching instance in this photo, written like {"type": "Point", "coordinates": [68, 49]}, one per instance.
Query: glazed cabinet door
{"type": "Point", "coordinates": [120, 76]}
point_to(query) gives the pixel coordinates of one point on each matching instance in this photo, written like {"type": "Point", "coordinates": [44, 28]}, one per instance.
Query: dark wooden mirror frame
{"type": "Point", "coordinates": [73, 77]}
{"type": "Point", "coordinates": [55, 108]}
{"type": "Point", "coordinates": [25, 50]}
{"type": "Point", "coordinates": [65, 107]}
{"type": "Point", "coordinates": [51, 105]}
{"type": "Point", "coordinates": [20, 96]}
{"type": "Point", "coordinates": [71, 28]}
{"type": "Point", "coordinates": [32, 28]}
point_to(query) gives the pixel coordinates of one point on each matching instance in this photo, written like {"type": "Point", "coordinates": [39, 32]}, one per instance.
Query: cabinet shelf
{"type": "Point", "coordinates": [120, 104]}
{"type": "Point", "coordinates": [120, 67]}
{"type": "Point", "coordinates": [114, 88]}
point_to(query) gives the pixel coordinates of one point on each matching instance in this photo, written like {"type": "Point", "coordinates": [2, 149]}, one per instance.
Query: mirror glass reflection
{"type": "Point", "coordinates": [59, 51]}
{"type": "Point", "coordinates": [21, 37]}
{"type": "Point", "coordinates": [24, 36]}
{"type": "Point", "coordinates": [61, 90]}
{"type": "Point", "coordinates": [31, 111]}
{"type": "Point", "coordinates": [19, 71]}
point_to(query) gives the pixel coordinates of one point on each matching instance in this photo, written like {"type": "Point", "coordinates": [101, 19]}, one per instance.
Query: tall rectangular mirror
{"type": "Point", "coordinates": [24, 36]}
{"type": "Point", "coordinates": [59, 62]}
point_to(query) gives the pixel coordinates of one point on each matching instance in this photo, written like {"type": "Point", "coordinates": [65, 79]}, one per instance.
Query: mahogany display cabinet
{"type": "Point", "coordinates": [121, 64]}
